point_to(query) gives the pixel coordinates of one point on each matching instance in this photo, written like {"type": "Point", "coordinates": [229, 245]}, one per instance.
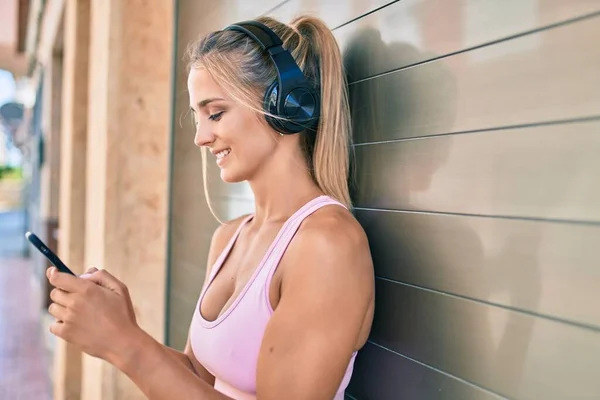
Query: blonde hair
{"type": "Point", "coordinates": [244, 71]}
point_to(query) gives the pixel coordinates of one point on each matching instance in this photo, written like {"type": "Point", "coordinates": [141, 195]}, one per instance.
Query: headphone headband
{"type": "Point", "coordinates": [266, 38]}
{"type": "Point", "coordinates": [293, 92]}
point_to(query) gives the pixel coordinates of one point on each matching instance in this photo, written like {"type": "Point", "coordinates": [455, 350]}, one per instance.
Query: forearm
{"type": "Point", "coordinates": [181, 357]}
{"type": "Point", "coordinates": [160, 373]}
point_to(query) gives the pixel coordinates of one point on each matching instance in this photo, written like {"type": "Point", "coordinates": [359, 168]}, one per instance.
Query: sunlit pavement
{"type": "Point", "coordinates": [24, 361]}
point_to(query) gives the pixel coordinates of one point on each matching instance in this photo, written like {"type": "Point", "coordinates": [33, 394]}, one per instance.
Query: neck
{"type": "Point", "coordinates": [282, 187]}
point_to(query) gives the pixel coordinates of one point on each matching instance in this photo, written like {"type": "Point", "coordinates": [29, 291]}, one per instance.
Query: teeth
{"type": "Point", "coordinates": [223, 153]}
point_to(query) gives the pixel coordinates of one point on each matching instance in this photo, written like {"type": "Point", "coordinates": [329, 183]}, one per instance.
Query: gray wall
{"type": "Point", "coordinates": [477, 130]}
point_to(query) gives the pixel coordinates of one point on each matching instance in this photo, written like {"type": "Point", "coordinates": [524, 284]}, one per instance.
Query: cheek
{"type": "Point", "coordinates": [250, 139]}
{"type": "Point", "coordinates": [252, 150]}
{"type": "Point", "coordinates": [251, 153]}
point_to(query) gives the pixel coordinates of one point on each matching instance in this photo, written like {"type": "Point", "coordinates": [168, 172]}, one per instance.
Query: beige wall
{"type": "Point", "coordinates": [127, 164]}
{"type": "Point", "coordinates": [9, 58]}
{"type": "Point", "coordinates": [114, 145]}
{"type": "Point", "coordinates": [8, 30]}
{"type": "Point", "coordinates": [51, 121]}
{"type": "Point", "coordinates": [67, 358]}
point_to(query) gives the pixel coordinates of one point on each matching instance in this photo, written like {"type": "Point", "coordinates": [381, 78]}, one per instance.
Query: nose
{"type": "Point", "coordinates": [204, 136]}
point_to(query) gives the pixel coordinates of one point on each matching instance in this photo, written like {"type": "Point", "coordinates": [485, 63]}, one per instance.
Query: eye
{"type": "Point", "coordinates": [216, 117]}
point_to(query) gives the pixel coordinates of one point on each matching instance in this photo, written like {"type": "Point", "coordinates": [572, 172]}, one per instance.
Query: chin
{"type": "Point", "coordinates": [229, 176]}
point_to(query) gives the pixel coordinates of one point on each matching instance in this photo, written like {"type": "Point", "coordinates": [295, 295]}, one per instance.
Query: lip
{"type": "Point", "coordinates": [215, 152]}
{"type": "Point", "coordinates": [220, 161]}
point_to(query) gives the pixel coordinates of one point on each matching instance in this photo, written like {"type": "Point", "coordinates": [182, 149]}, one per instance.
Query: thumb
{"type": "Point", "coordinates": [104, 279]}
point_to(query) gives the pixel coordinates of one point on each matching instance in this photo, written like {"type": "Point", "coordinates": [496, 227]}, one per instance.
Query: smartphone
{"type": "Point", "coordinates": [53, 258]}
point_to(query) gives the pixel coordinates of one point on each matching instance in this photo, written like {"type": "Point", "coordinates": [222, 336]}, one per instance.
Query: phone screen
{"type": "Point", "coordinates": [49, 254]}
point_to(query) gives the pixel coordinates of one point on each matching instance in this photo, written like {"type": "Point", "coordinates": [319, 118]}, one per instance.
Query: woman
{"type": "Point", "coordinates": [288, 296]}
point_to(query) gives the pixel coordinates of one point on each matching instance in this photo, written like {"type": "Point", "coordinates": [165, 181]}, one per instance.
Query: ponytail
{"type": "Point", "coordinates": [330, 158]}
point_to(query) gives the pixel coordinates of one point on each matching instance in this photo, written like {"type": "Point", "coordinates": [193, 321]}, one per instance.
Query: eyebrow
{"type": "Point", "coordinates": [205, 102]}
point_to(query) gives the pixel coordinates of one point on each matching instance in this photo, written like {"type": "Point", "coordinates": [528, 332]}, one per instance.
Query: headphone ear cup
{"type": "Point", "coordinates": [302, 103]}
{"type": "Point", "coordinates": [301, 106]}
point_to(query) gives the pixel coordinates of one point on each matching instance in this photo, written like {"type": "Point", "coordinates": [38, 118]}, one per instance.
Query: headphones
{"type": "Point", "coordinates": [291, 97]}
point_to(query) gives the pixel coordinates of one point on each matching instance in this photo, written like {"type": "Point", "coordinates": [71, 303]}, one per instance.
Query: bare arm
{"type": "Point", "coordinates": [181, 357]}
{"type": "Point", "coordinates": [324, 313]}
{"type": "Point", "coordinates": [159, 375]}
{"type": "Point", "coordinates": [188, 359]}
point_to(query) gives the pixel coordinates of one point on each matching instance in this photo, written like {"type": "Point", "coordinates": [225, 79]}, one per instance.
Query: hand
{"type": "Point", "coordinates": [93, 311]}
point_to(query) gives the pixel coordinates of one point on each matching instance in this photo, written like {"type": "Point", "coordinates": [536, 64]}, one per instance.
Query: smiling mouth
{"type": "Point", "coordinates": [222, 154]}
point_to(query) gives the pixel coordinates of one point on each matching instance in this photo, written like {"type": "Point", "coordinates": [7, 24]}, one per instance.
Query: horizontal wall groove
{"type": "Point", "coordinates": [365, 14]}
{"type": "Point", "coordinates": [506, 217]}
{"type": "Point", "coordinates": [489, 303]}
{"type": "Point", "coordinates": [479, 46]}
{"type": "Point", "coordinates": [538, 124]}
{"type": "Point", "coordinates": [276, 7]}
{"type": "Point", "coordinates": [439, 371]}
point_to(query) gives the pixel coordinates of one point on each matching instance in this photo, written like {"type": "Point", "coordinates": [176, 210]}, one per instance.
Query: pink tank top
{"type": "Point", "coordinates": [228, 347]}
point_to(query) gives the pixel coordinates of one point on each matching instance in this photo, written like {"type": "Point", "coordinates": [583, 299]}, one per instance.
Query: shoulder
{"type": "Point", "coordinates": [331, 226]}
{"type": "Point", "coordinates": [331, 243]}
{"type": "Point", "coordinates": [333, 230]}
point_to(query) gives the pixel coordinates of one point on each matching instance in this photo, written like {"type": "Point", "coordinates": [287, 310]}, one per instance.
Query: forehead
{"type": "Point", "coordinates": [201, 86]}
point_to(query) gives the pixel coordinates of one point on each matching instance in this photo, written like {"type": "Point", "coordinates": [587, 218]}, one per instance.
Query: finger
{"type": "Point", "coordinates": [57, 328]}
{"type": "Point", "coordinates": [106, 280]}
{"type": "Point", "coordinates": [61, 297]}
{"type": "Point", "coordinates": [88, 272]}
{"type": "Point", "coordinates": [65, 281]}
{"type": "Point", "coordinates": [57, 311]}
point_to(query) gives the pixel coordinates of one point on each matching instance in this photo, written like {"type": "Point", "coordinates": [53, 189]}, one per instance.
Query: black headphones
{"type": "Point", "coordinates": [290, 97]}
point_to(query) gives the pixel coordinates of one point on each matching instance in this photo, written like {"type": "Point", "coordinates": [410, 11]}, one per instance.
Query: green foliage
{"type": "Point", "coordinates": [13, 173]}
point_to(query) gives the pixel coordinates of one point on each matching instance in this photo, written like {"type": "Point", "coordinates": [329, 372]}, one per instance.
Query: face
{"type": "Point", "coordinates": [240, 141]}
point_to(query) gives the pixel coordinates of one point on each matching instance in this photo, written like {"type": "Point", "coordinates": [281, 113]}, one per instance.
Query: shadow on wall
{"type": "Point", "coordinates": [387, 109]}
{"type": "Point", "coordinates": [442, 333]}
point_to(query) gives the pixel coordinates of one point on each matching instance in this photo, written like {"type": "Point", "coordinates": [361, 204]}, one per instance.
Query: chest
{"type": "Point", "coordinates": [238, 270]}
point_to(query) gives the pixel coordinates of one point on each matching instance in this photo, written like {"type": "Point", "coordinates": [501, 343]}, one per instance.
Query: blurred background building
{"type": "Point", "coordinates": [477, 131]}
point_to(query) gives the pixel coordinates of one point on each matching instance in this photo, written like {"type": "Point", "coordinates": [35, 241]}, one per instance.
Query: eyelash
{"type": "Point", "coordinates": [216, 117]}
{"type": "Point", "coordinates": [212, 117]}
